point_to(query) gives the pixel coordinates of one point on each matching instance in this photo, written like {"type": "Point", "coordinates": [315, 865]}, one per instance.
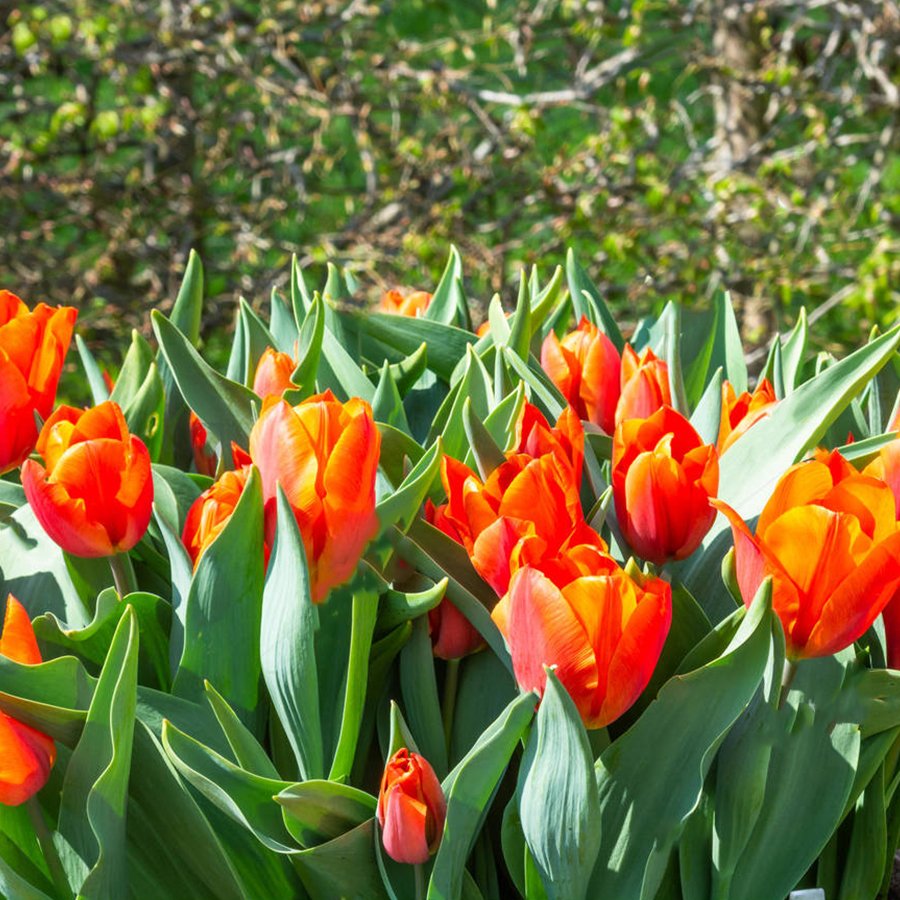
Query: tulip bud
{"type": "Point", "coordinates": [94, 496]}
{"type": "Point", "coordinates": [26, 754]}
{"type": "Point", "coordinates": [645, 385]}
{"type": "Point", "coordinates": [829, 537]}
{"type": "Point", "coordinates": [33, 346]}
{"type": "Point", "coordinates": [413, 305]}
{"type": "Point", "coordinates": [273, 374]}
{"type": "Point", "coordinates": [739, 413]}
{"type": "Point", "coordinates": [662, 478]}
{"type": "Point", "coordinates": [205, 460]}
{"type": "Point", "coordinates": [411, 808]}
{"type": "Point", "coordinates": [586, 368]}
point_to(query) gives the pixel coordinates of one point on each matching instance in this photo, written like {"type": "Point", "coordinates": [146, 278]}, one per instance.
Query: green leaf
{"type": "Point", "coordinates": [340, 372]}
{"type": "Point", "coordinates": [448, 304]}
{"type": "Point", "coordinates": [223, 613]}
{"type": "Point", "coordinates": [225, 407]}
{"type": "Point", "coordinates": [301, 299]}
{"type": "Point", "coordinates": [134, 370]}
{"type": "Point", "coordinates": [309, 347]}
{"type": "Point", "coordinates": [520, 327]}
{"type": "Point", "coordinates": [187, 312]}
{"type": "Point", "coordinates": [793, 351]}
{"type": "Point", "coordinates": [469, 789]}
{"type": "Point", "coordinates": [287, 644]}
{"type": "Point", "coordinates": [387, 404]}
{"type": "Point", "coordinates": [487, 455]}
{"type": "Point", "coordinates": [544, 392]}
{"type": "Point", "coordinates": [246, 798]}
{"type": "Point", "coordinates": [665, 340]}
{"type": "Point", "coordinates": [251, 338]}
{"type": "Point", "coordinates": [15, 886]}
{"type": "Point", "coordinates": [99, 391]}
{"type": "Point", "coordinates": [587, 301]}
{"type": "Point", "coordinates": [708, 413]}
{"type": "Point", "coordinates": [559, 806]}
{"type": "Point", "coordinates": [868, 848]}
{"type": "Point", "coordinates": [397, 607]}
{"type": "Point", "coordinates": [282, 324]}
{"type": "Point", "coordinates": [95, 788]}
{"type": "Point", "coordinates": [651, 777]}
{"type": "Point", "coordinates": [319, 811]}
{"type": "Point", "coordinates": [728, 354]}
{"type": "Point", "coordinates": [474, 388]}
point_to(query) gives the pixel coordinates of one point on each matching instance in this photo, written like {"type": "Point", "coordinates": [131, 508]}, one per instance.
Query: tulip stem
{"type": "Point", "coordinates": [123, 574]}
{"type": "Point", "coordinates": [787, 679]}
{"type": "Point", "coordinates": [448, 703]}
{"type": "Point", "coordinates": [48, 849]}
{"type": "Point", "coordinates": [420, 881]}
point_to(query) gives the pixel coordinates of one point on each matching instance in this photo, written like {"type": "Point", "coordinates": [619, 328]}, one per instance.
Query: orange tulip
{"type": "Point", "coordinates": [411, 808]}
{"type": "Point", "coordinates": [273, 374]}
{"type": "Point", "coordinates": [536, 437]}
{"type": "Point", "coordinates": [586, 368]}
{"type": "Point", "coordinates": [828, 536]}
{"type": "Point", "coordinates": [33, 346]}
{"type": "Point", "coordinates": [325, 455]}
{"type": "Point", "coordinates": [452, 634]}
{"type": "Point", "coordinates": [210, 512]}
{"type": "Point", "coordinates": [662, 477]}
{"type": "Point", "coordinates": [205, 459]}
{"type": "Point", "coordinates": [94, 496]}
{"type": "Point", "coordinates": [739, 413]}
{"type": "Point", "coordinates": [26, 754]}
{"type": "Point", "coordinates": [413, 305]}
{"type": "Point", "coordinates": [645, 385]}
{"type": "Point", "coordinates": [602, 630]}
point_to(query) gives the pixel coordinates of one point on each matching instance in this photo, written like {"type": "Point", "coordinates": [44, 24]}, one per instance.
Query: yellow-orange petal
{"type": "Point", "coordinates": [17, 640]}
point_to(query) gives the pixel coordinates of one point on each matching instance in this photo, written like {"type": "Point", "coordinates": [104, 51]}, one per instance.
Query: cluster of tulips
{"type": "Point", "coordinates": [305, 552]}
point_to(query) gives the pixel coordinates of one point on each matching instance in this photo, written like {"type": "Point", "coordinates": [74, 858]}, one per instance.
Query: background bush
{"type": "Point", "coordinates": [679, 146]}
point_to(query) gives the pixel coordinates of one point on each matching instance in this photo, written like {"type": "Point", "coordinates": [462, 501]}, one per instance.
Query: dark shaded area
{"type": "Point", "coordinates": [680, 147]}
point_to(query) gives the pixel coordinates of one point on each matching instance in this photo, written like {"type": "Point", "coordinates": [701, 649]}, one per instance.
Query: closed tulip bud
{"type": "Point", "coordinates": [662, 478]}
{"type": "Point", "coordinates": [324, 454]}
{"type": "Point", "coordinates": [413, 305]}
{"type": "Point", "coordinates": [645, 385]}
{"type": "Point", "coordinates": [94, 496]}
{"type": "Point", "coordinates": [411, 808]}
{"type": "Point", "coordinates": [601, 629]}
{"type": "Point", "coordinates": [205, 459]}
{"type": "Point", "coordinates": [739, 413]}
{"type": "Point", "coordinates": [26, 754]}
{"type": "Point", "coordinates": [210, 512]}
{"type": "Point", "coordinates": [586, 368]}
{"type": "Point", "coordinates": [33, 346]}
{"type": "Point", "coordinates": [273, 374]}
{"type": "Point", "coordinates": [828, 537]}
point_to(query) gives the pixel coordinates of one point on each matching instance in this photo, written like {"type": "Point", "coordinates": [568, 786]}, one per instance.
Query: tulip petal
{"type": "Point", "coordinates": [403, 831]}
{"type": "Point", "coordinates": [801, 484]}
{"type": "Point", "coordinates": [26, 757]}
{"type": "Point", "coordinates": [17, 640]}
{"type": "Point", "coordinates": [750, 563]}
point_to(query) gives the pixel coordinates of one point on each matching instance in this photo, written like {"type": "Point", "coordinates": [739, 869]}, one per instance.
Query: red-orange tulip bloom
{"type": "Point", "coordinates": [26, 754]}
{"type": "Point", "coordinates": [205, 459]}
{"type": "Point", "coordinates": [536, 437]}
{"type": "Point", "coordinates": [602, 630]}
{"type": "Point", "coordinates": [828, 536]}
{"type": "Point", "coordinates": [586, 368]}
{"type": "Point", "coordinates": [413, 304]}
{"type": "Point", "coordinates": [325, 455]}
{"type": "Point", "coordinates": [210, 512]}
{"type": "Point", "coordinates": [411, 808]}
{"type": "Point", "coordinates": [645, 385]}
{"type": "Point", "coordinates": [662, 477]}
{"type": "Point", "coordinates": [94, 496]}
{"type": "Point", "coordinates": [273, 374]}
{"type": "Point", "coordinates": [33, 346]}
{"type": "Point", "coordinates": [739, 413]}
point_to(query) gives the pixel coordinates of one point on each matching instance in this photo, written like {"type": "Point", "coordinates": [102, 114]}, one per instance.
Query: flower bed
{"type": "Point", "coordinates": [392, 608]}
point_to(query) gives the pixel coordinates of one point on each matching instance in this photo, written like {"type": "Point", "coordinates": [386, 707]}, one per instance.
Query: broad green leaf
{"type": "Point", "coordinates": [15, 886]}
{"type": "Point", "coordinates": [187, 312]}
{"type": "Point", "coordinates": [340, 372]}
{"type": "Point", "coordinates": [309, 347]}
{"type": "Point", "coordinates": [520, 327]}
{"type": "Point", "coordinates": [95, 788]}
{"type": "Point", "coordinates": [420, 697]}
{"type": "Point", "coordinates": [708, 413]}
{"type": "Point", "coordinates": [99, 390]}
{"type": "Point", "coordinates": [474, 388]}
{"type": "Point", "coordinates": [401, 507]}
{"type": "Point", "coordinates": [544, 392]}
{"type": "Point", "coordinates": [223, 613]}
{"type": "Point", "coordinates": [395, 446]}
{"type": "Point", "coordinates": [728, 354]}
{"type": "Point", "coordinates": [868, 848]}
{"type": "Point", "coordinates": [387, 404]}
{"type": "Point", "coordinates": [243, 796]}
{"type": "Point", "coordinates": [559, 806]}
{"type": "Point", "coordinates": [587, 301]}
{"type": "Point", "coordinates": [319, 811]}
{"type": "Point", "coordinates": [282, 324]}
{"type": "Point", "coordinates": [469, 789]}
{"type": "Point", "coordinates": [698, 339]}
{"type": "Point", "coordinates": [397, 607]}
{"type": "Point", "coordinates": [665, 340]}
{"type": "Point", "coordinates": [503, 418]}
{"type": "Point", "coordinates": [225, 407]}
{"type": "Point", "coordinates": [793, 351]}
{"type": "Point", "coordinates": [173, 493]}
{"type": "Point", "coordinates": [652, 776]}
{"type": "Point", "coordinates": [256, 338]}
{"type": "Point", "coordinates": [144, 412]}
{"type": "Point", "coordinates": [487, 455]}
{"type": "Point", "coordinates": [301, 298]}
{"type": "Point", "coordinates": [287, 644]}
{"type": "Point", "coordinates": [448, 305]}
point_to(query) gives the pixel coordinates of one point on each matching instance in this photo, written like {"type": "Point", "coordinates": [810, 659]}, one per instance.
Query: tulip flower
{"type": "Point", "coordinates": [273, 374]}
{"type": "Point", "coordinates": [324, 454]}
{"type": "Point", "coordinates": [33, 346]}
{"type": "Point", "coordinates": [739, 413]}
{"type": "Point", "coordinates": [26, 754]}
{"type": "Point", "coordinates": [645, 385]}
{"type": "Point", "coordinates": [536, 437]}
{"type": "Point", "coordinates": [662, 478]}
{"type": "Point", "coordinates": [413, 305]}
{"type": "Point", "coordinates": [94, 496]}
{"type": "Point", "coordinates": [586, 368]}
{"type": "Point", "coordinates": [411, 808]}
{"type": "Point", "coordinates": [828, 537]}
{"type": "Point", "coordinates": [205, 459]}
{"type": "Point", "coordinates": [601, 629]}
{"type": "Point", "coordinates": [210, 512]}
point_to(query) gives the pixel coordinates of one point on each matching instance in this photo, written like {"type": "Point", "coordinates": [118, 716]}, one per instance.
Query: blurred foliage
{"type": "Point", "coordinates": [679, 147]}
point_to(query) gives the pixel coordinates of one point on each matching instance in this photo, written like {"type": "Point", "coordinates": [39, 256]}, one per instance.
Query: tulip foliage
{"type": "Point", "coordinates": [392, 607]}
